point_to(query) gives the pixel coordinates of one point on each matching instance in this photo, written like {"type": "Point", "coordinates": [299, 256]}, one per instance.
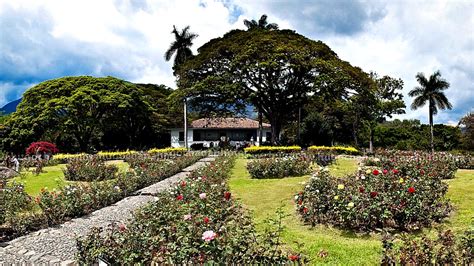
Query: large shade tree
{"type": "Point", "coordinates": [431, 91]}
{"type": "Point", "coordinates": [276, 71]}
{"type": "Point", "coordinates": [80, 110]}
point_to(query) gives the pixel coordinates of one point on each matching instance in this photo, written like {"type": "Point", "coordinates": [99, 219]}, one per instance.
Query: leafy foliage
{"type": "Point", "coordinates": [271, 149]}
{"type": "Point", "coordinates": [89, 169]}
{"type": "Point", "coordinates": [443, 250]}
{"type": "Point", "coordinates": [381, 198]}
{"type": "Point", "coordinates": [78, 112]}
{"type": "Point", "coordinates": [279, 167]}
{"type": "Point", "coordinates": [41, 147]}
{"type": "Point", "coordinates": [274, 70]}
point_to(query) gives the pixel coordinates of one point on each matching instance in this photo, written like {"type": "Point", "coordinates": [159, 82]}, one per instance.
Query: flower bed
{"type": "Point", "coordinates": [440, 165]}
{"type": "Point", "coordinates": [279, 167]}
{"type": "Point", "coordinates": [90, 168]}
{"type": "Point", "coordinates": [335, 149]}
{"type": "Point", "coordinates": [271, 149]}
{"type": "Point", "coordinates": [197, 222]}
{"type": "Point", "coordinates": [446, 249]}
{"type": "Point", "coordinates": [167, 150]}
{"type": "Point", "coordinates": [465, 161]}
{"type": "Point", "coordinates": [379, 198]}
{"type": "Point", "coordinates": [79, 199]}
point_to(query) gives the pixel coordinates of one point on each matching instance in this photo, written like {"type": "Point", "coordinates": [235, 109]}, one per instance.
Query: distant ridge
{"type": "Point", "coordinates": [10, 107]}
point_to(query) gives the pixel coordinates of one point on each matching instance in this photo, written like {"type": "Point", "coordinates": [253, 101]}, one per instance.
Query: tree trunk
{"type": "Point", "coordinates": [371, 139]}
{"type": "Point", "coordinates": [431, 128]}
{"type": "Point", "coordinates": [260, 127]}
{"type": "Point", "coordinates": [276, 127]}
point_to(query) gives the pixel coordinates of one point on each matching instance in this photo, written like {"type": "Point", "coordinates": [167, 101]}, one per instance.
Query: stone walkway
{"type": "Point", "coordinates": [57, 245]}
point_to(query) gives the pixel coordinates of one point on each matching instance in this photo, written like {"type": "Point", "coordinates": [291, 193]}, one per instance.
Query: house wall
{"type": "Point", "coordinates": [175, 143]}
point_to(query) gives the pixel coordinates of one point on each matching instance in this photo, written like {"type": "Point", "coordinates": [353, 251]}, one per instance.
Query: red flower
{"type": "Point", "coordinates": [385, 171]}
{"type": "Point", "coordinates": [395, 171]}
{"type": "Point", "coordinates": [122, 227]}
{"type": "Point", "coordinates": [305, 210]}
{"type": "Point", "coordinates": [422, 172]}
{"type": "Point", "coordinates": [376, 172]}
{"type": "Point", "coordinates": [179, 197]}
{"type": "Point", "coordinates": [227, 195]}
{"type": "Point", "coordinates": [361, 189]}
{"type": "Point", "coordinates": [294, 257]}
{"type": "Point", "coordinates": [411, 190]}
{"type": "Point", "coordinates": [373, 194]}
{"type": "Point", "coordinates": [183, 183]}
{"type": "Point", "coordinates": [37, 200]}
{"type": "Point", "coordinates": [300, 202]}
{"type": "Point", "coordinates": [206, 220]}
{"type": "Point", "coordinates": [300, 193]}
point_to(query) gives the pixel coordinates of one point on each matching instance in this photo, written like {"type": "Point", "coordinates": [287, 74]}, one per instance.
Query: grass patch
{"type": "Point", "coordinates": [52, 177]}
{"type": "Point", "coordinates": [264, 196]}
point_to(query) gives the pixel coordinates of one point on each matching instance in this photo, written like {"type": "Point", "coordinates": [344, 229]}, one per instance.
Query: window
{"type": "Point", "coordinates": [181, 136]}
{"type": "Point", "coordinates": [196, 135]}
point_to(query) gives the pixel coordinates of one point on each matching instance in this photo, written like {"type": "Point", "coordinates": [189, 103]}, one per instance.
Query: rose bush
{"type": "Point", "coordinates": [440, 165]}
{"type": "Point", "coordinates": [279, 167]}
{"type": "Point", "coordinates": [378, 198]}
{"type": "Point", "coordinates": [446, 249]}
{"type": "Point", "coordinates": [196, 222]}
{"type": "Point", "coordinates": [79, 199]}
{"type": "Point", "coordinates": [90, 168]}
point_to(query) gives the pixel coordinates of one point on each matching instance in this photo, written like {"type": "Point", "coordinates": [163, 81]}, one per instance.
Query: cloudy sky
{"type": "Point", "coordinates": [45, 39]}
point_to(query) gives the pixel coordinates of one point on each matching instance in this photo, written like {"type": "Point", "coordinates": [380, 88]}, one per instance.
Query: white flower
{"type": "Point", "coordinates": [362, 177]}
{"type": "Point", "coordinates": [202, 195]}
{"type": "Point", "coordinates": [296, 197]}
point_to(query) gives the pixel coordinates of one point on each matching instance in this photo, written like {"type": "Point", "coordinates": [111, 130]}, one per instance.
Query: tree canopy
{"type": "Point", "coordinates": [76, 113]}
{"type": "Point", "coordinates": [276, 71]}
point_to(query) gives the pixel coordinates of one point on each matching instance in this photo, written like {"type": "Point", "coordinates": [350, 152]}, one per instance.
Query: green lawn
{"type": "Point", "coordinates": [264, 196]}
{"type": "Point", "coordinates": [51, 178]}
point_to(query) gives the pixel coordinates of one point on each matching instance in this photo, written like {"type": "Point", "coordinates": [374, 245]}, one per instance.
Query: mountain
{"type": "Point", "coordinates": [10, 107]}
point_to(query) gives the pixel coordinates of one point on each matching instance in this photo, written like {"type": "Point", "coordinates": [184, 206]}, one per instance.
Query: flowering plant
{"type": "Point", "coordinates": [378, 198]}
{"type": "Point", "coordinates": [279, 167]}
{"type": "Point", "coordinates": [90, 168]}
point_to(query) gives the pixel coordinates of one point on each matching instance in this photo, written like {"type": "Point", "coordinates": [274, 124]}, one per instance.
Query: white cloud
{"type": "Point", "coordinates": [44, 39]}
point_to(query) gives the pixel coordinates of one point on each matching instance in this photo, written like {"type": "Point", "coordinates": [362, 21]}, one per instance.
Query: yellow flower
{"type": "Point", "coordinates": [350, 204]}
{"type": "Point", "coordinates": [340, 186]}
{"type": "Point", "coordinates": [401, 180]}
{"type": "Point", "coordinates": [336, 197]}
{"type": "Point", "coordinates": [368, 171]}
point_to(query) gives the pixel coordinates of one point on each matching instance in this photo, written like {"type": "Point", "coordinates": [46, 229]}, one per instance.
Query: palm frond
{"type": "Point", "coordinates": [442, 101]}
{"type": "Point", "coordinates": [420, 77]}
{"type": "Point", "coordinates": [272, 26]}
{"type": "Point", "coordinates": [417, 91]}
{"type": "Point", "coordinates": [262, 22]}
{"type": "Point", "coordinates": [418, 102]}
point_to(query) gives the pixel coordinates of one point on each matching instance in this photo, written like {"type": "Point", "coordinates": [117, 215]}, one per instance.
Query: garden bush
{"type": "Point", "coordinates": [279, 167]}
{"type": "Point", "coordinates": [335, 149]}
{"type": "Point", "coordinates": [79, 199]}
{"type": "Point", "coordinates": [446, 249]}
{"type": "Point", "coordinates": [379, 198]}
{"type": "Point", "coordinates": [196, 222]}
{"type": "Point", "coordinates": [465, 161]}
{"type": "Point", "coordinates": [440, 165]}
{"type": "Point", "coordinates": [90, 168]}
{"type": "Point", "coordinates": [167, 150]}
{"type": "Point", "coordinates": [41, 147]}
{"type": "Point", "coordinates": [271, 149]}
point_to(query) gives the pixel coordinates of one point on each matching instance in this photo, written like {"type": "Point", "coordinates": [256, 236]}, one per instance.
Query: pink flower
{"type": "Point", "coordinates": [122, 227]}
{"type": "Point", "coordinates": [187, 217]}
{"type": "Point", "coordinates": [208, 236]}
{"type": "Point", "coordinates": [202, 195]}
{"type": "Point", "coordinates": [385, 171]}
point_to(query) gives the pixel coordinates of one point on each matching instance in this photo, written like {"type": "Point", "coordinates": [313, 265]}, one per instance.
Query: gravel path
{"type": "Point", "coordinates": [57, 245]}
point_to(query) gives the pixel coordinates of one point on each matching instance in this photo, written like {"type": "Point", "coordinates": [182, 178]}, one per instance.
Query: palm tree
{"type": "Point", "coordinates": [260, 24]}
{"type": "Point", "coordinates": [431, 91]}
{"type": "Point", "coordinates": [181, 46]}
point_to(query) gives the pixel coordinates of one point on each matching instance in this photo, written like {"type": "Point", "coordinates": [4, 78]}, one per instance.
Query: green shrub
{"type": "Point", "coordinates": [415, 250]}
{"type": "Point", "coordinates": [381, 198]}
{"type": "Point", "coordinates": [196, 222]}
{"type": "Point", "coordinates": [271, 149]}
{"type": "Point", "coordinates": [335, 149]}
{"type": "Point", "coordinates": [90, 168]}
{"type": "Point", "coordinates": [279, 167]}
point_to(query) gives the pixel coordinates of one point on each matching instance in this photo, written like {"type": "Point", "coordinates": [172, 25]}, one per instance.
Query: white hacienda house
{"type": "Point", "coordinates": [209, 131]}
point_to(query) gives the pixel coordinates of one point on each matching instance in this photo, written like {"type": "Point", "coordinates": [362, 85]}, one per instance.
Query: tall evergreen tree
{"type": "Point", "coordinates": [432, 91]}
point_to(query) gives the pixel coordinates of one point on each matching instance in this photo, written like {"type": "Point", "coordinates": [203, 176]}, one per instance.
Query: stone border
{"type": "Point", "coordinates": [57, 245]}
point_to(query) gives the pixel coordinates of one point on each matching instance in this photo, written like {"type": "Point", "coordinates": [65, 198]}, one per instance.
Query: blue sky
{"type": "Point", "coordinates": [45, 39]}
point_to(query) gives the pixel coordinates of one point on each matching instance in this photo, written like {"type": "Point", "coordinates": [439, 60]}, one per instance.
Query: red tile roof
{"type": "Point", "coordinates": [227, 122]}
